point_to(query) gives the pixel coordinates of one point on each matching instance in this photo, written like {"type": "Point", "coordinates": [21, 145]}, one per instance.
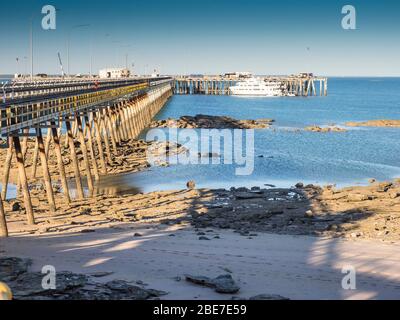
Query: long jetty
{"type": "Point", "coordinates": [96, 114]}
{"type": "Point", "coordinates": [302, 86]}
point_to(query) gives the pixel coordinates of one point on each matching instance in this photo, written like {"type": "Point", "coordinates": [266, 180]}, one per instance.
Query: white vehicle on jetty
{"type": "Point", "coordinates": [257, 87]}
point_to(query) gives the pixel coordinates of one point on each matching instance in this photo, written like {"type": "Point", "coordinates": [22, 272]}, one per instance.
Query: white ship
{"type": "Point", "coordinates": [257, 87]}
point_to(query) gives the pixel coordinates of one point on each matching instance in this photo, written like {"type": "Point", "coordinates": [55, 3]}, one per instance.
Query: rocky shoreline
{"type": "Point", "coordinates": [324, 129]}
{"type": "Point", "coordinates": [358, 212]}
{"type": "Point", "coordinates": [376, 123]}
{"type": "Point", "coordinates": [354, 213]}
{"type": "Point", "coordinates": [212, 122]}
{"type": "Point", "coordinates": [27, 285]}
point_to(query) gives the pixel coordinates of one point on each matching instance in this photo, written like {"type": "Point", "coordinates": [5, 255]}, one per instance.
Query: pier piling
{"type": "Point", "coordinates": [46, 173]}
{"type": "Point", "coordinates": [103, 119]}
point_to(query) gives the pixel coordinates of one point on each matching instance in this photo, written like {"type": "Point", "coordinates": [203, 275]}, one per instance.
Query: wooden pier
{"type": "Point", "coordinates": [302, 86]}
{"type": "Point", "coordinates": [94, 115]}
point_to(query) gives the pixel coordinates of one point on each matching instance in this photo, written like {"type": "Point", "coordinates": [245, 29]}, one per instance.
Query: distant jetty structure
{"type": "Point", "coordinates": [302, 85]}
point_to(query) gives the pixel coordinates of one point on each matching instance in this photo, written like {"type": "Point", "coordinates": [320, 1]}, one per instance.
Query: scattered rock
{"type": "Point", "coordinates": [85, 212]}
{"type": "Point", "coordinates": [325, 129]}
{"type": "Point", "coordinates": [222, 284]}
{"type": "Point", "coordinates": [204, 239]}
{"type": "Point", "coordinates": [225, 284]}
{"type": "Point", "coordinates": [357, 197]}
{"type": "Point", "coordinates": [384, 187]}
{"type": "Point", "coordinates": [309, 214]}
{"type": "Point", "coordinates": [69, 286]}
{"type": "Point", "coordinates": [191, 185]}
{"type": "Point", "coordinates": [16, 206]}
{"type": "Point", "coordinates": [11, 268]}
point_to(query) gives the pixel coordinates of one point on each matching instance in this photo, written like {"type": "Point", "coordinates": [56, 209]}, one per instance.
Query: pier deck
{"type": "Point", "coordinates": [92, 115]}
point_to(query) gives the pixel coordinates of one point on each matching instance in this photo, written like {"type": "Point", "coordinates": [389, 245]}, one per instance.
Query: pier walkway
{"type": "Point", "coordinates": [95, 115]}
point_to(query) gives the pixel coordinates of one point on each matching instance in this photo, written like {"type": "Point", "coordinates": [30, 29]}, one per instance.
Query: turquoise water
{"type": "Point", "coordinates": [344, 159]}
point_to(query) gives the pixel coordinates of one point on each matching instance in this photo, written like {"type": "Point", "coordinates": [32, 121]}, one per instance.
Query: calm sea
{"type": "Point", "coordinates": [288, 156]}
{"type": "Point", "coordinates": [344, 159]}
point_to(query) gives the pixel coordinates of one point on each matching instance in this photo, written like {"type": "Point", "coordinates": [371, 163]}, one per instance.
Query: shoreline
{"type": "Point", "coordinates": [94, 237]}
{"type": "Point", "coordinates": [353, 212]}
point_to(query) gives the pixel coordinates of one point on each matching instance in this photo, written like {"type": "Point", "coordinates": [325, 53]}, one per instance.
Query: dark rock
{"type": "Point", "coordinates": [309, 214]}
{"type": "Point", "coordinates": [128, 291]}
{"type": "Point", "coordinates": [204, 239]}
{"type": "Point", "coordinates": [16, 206]}
{"type": "Point", "coordinates": [384, 187]}
{"type": "Point", "coordinates": [88, 231]}
{"type": "Point", "coordinates": [85, 212]}
{"type": "Point", "coordinates": [30, 284]}
{"type": "Point", "coordinates": [269, 297]}
{"type": "Point", "coordinates": [225, 284]}
{"type": "Point", "coordinates": [191, 185]}
{"type": "Point", "coordinates": [248, 195]}
{"type": "Point", "coordinates": [101, 274]}
{"type": "Point", "coordinates": [222, 284]}
{"type": "Point", "coordinates": [11, 268]}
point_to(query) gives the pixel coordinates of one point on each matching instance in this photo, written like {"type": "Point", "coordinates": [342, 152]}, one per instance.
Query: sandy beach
{"type": "Point", "coordinates": [295, 267]}
{"type": "Point", "coordinates": [270, 241]}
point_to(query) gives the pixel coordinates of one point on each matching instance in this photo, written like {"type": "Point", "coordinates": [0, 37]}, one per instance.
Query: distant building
{"type": "Point", "coordinates": [114, 73]}
{"type": "Point", "coordinates": [238, 75]}
{"type": "Point", "coordinates": [306, 75]}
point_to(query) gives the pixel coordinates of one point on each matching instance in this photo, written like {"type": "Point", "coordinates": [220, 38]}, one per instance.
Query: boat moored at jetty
{"type": "Point", "coordinates": [257, 87]}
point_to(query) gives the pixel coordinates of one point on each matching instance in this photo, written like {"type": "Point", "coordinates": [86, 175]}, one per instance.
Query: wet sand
{"type": "Point", "coordinates": [296, 267]}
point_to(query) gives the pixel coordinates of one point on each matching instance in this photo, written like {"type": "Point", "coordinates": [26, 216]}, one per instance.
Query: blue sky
{"type": "Point", "coordinates": [209, 36]}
